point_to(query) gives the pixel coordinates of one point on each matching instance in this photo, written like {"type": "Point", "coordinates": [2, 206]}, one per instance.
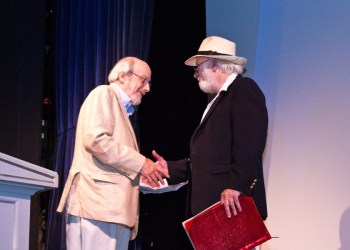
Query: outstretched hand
{"type": "Point", "coordinates": [163, 165]}
{"type": "Point", "coordinates": [159, 170]}
{"type": "Point", "coordinates": [150, 173]}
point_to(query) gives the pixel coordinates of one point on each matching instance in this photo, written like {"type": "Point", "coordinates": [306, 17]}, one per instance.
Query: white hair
{"type": "Point", "coordinates": [227, 66]}
{"type": "Point", "coordinates": [124, 65]}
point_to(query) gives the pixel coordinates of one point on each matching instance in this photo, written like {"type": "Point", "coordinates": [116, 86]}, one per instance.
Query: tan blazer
{"type": "Point", "coordinates": [103, 182]}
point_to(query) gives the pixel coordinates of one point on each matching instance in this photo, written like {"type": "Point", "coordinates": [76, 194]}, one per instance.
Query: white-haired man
{"type": "Point", "coordinates": [101, 195]}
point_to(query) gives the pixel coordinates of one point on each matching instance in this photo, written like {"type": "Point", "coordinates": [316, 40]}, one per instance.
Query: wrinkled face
{"type": "Point", "coordinates": [137, 83]}
{"type": "Point", "coordinates": [204, 76]}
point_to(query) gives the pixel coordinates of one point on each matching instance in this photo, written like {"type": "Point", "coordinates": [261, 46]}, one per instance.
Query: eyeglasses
{"type": "Point", "coordinates": [195, 68]}
{"type": "Point", "coordinates": [145, 81]}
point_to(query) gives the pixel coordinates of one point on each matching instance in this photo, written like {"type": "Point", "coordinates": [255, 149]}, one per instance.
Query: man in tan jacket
{"type": "Point", "coordinates": [102, 190]}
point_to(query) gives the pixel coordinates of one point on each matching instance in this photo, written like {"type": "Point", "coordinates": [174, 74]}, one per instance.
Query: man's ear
{"type": "Point", "coordinates": [122, 77]}
{"type": "Point", "coordinates": [214, 67]}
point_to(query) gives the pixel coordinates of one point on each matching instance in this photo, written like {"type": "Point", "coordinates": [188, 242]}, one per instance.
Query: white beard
{"type": "Point", "coordinates": [206, 86]}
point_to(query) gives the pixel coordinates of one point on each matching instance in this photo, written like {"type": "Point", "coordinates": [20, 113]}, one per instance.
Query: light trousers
{"type": "Point", "coordinates": [85, 234]}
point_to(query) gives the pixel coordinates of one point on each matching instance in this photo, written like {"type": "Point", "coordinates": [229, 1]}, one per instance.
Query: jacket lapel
{"type": "Point", "coordinates": [124, 114]}
{"type": "Point", "coordinates": [208, 114]}
{"type": "Point", "coordinates": [214, 105]}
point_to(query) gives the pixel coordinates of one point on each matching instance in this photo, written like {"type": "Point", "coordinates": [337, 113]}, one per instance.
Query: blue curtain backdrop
{"type": "Point", "coordinates": [91, 35]}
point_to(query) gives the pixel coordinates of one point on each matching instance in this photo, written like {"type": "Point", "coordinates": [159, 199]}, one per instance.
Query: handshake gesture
{"type": "Point", "coordinates": [153, 172]}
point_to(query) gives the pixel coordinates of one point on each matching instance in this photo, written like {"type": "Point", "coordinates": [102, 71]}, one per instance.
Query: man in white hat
{"type": "Point", "coordinates": [227, 146]}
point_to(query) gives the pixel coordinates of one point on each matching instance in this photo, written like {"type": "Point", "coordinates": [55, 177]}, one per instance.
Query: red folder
{"type": "Point", "coordinates": [212, 230]}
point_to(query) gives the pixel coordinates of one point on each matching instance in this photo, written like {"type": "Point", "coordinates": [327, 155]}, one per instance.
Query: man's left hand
{"type": "Point", "coordinates": [229, 198]}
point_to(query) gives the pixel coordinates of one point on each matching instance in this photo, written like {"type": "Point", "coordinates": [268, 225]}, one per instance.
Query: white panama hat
{"type": "Point", "coordinates": [217, 47]}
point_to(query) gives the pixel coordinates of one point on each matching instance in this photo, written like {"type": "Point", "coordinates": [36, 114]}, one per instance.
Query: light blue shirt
{"type": "Point", "coordinates": [125, 99]}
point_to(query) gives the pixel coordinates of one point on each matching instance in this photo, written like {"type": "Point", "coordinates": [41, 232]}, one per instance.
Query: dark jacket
{"type": "Point", "coordinates": [226, 148]}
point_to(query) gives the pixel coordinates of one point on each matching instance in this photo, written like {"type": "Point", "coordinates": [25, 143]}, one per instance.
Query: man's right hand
{"type": "Point", "coordinates": [163, 165]}
{"type": "Point", "coordinates": [150, 172]}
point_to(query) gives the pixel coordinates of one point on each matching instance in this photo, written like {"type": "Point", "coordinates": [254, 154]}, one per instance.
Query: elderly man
{"type": "Point", "coordinates": [102, 190]}
{"type": "Point", "coordinates": [227, 146]}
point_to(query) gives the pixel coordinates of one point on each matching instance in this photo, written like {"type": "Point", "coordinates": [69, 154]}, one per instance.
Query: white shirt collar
{"type": "Point", "coordinates": [228, 82]}
{"type": "Point", "coordinates": [224, 87]}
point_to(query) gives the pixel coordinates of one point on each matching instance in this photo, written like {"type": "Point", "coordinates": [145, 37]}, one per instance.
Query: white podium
{"type": "Point", "coordinates": [19, 180]}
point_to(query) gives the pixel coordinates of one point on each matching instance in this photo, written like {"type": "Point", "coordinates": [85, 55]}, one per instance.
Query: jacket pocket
{"type": "Point", "coordinates": [107, 178]}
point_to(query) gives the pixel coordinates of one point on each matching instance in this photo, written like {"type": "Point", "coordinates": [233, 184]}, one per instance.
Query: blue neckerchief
{"type": "Point", "coordinates": [129, 108]}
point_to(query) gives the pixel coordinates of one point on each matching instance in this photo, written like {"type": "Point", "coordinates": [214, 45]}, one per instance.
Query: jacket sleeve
{"type": "Point", "coordinates": [249, 130]}
{"type": "Point", "coordinates": [179, 170]}
{"type": "Point", "coordinates": [106, 134]}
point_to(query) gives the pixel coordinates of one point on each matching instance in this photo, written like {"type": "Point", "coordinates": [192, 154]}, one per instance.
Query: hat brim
{"type": "Point", "coordinates": [235, 59]}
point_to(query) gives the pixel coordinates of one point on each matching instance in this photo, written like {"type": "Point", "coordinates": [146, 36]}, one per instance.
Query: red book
{"type": "Point", "coordinates": [212, 230]}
